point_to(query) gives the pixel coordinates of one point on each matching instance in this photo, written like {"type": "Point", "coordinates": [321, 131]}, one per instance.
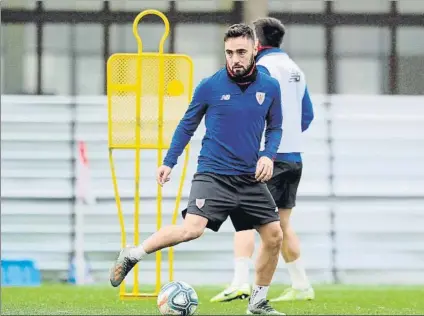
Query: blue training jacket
{"type": "Point", "coordinates": [234, 121]}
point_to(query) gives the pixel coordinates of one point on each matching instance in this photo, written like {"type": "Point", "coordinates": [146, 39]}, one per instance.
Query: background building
{"type": "Point", "coordinates": [354, 47]}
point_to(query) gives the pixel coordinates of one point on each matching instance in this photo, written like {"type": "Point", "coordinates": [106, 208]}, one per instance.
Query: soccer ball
{"type": "Point", "coordinates": [177, 298]}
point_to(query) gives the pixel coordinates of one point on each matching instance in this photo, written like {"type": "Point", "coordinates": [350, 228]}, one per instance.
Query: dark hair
{"type": "Point", "coordinates": [239, 30]}
{"type": "Point", "coordinates": [269, 31]}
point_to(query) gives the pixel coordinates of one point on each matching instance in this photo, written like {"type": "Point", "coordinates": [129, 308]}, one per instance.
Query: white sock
{"type": "Point", "coordinates": [138, 252]}
{"type": "Point", "coordinates": [259, 293]}
{"type": "Point", "coordinates": [241, 271]}
{"type": "Point", "coordinates": [298, 275]}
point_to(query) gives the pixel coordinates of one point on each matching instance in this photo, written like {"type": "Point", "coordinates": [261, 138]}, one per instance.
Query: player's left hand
{"type": "Point", "coordinates": [264, 169]}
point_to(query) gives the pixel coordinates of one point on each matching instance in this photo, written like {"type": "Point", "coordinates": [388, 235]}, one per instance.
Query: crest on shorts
{"type": "Point", "coordinates": [200, 203]}
{"type": "Point", "coordinates": [260, 97]}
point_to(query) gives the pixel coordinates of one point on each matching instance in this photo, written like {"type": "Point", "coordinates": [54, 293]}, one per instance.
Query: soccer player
{"type": "Point", "coordinates": [238, 102]}
{"type": "Point", "coordinates": [297, 115]}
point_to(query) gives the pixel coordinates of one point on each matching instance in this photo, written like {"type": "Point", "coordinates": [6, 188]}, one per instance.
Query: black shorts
{"type": "Point", "coordinates": [247, 201]}
{"type": "Point", "coordinates": [284, 183]}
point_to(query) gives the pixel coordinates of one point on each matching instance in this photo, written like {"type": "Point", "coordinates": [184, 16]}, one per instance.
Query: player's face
{"type": "Point", "coordinates": [240, 53]}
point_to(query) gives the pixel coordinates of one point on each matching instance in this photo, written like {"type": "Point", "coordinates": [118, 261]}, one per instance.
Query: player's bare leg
{"type": "Point", "coordinates": [266, 263]}
{"type": "Point", "coordinates": [301, 288]}
{"type": "Point", "coordinates": [168, 236]}
{"type": "Point", "coordinates": [244, 246]}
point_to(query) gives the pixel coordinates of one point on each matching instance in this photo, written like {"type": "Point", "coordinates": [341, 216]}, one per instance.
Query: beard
{"type": "Point", "coordinates": [241, 71]}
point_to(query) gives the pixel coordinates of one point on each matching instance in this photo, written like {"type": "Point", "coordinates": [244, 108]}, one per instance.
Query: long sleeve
{"type": "Point", "coordinates": [187, 126]}
{"type": "Point", "coordinates": [307, 110]}
{"type": "Point", "coordinates": [273, 132]}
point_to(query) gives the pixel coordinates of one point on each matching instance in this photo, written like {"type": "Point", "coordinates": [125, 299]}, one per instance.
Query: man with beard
{"type": "Point", "coordinates": [237, 102]}
{"type": "Point", "coordinates": [297, 116]}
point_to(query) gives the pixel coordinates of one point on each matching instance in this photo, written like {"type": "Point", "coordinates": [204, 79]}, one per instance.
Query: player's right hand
{"type": "Point", "coordinates": [163, 175]}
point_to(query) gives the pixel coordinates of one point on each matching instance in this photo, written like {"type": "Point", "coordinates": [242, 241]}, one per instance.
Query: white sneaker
{"type": "Point", "coordinates": [262, 308]}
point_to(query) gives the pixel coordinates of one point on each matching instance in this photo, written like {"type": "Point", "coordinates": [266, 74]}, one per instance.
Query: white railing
{"type": "Point", "coordinates": [360, 213]}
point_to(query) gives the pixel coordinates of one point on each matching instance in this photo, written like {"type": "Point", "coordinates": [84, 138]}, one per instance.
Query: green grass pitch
{"type": "Point", "coordinates": [103, 300]}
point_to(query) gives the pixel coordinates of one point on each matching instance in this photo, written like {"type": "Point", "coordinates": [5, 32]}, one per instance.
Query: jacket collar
{"type": "Point", "coordinates": [266, 50]}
